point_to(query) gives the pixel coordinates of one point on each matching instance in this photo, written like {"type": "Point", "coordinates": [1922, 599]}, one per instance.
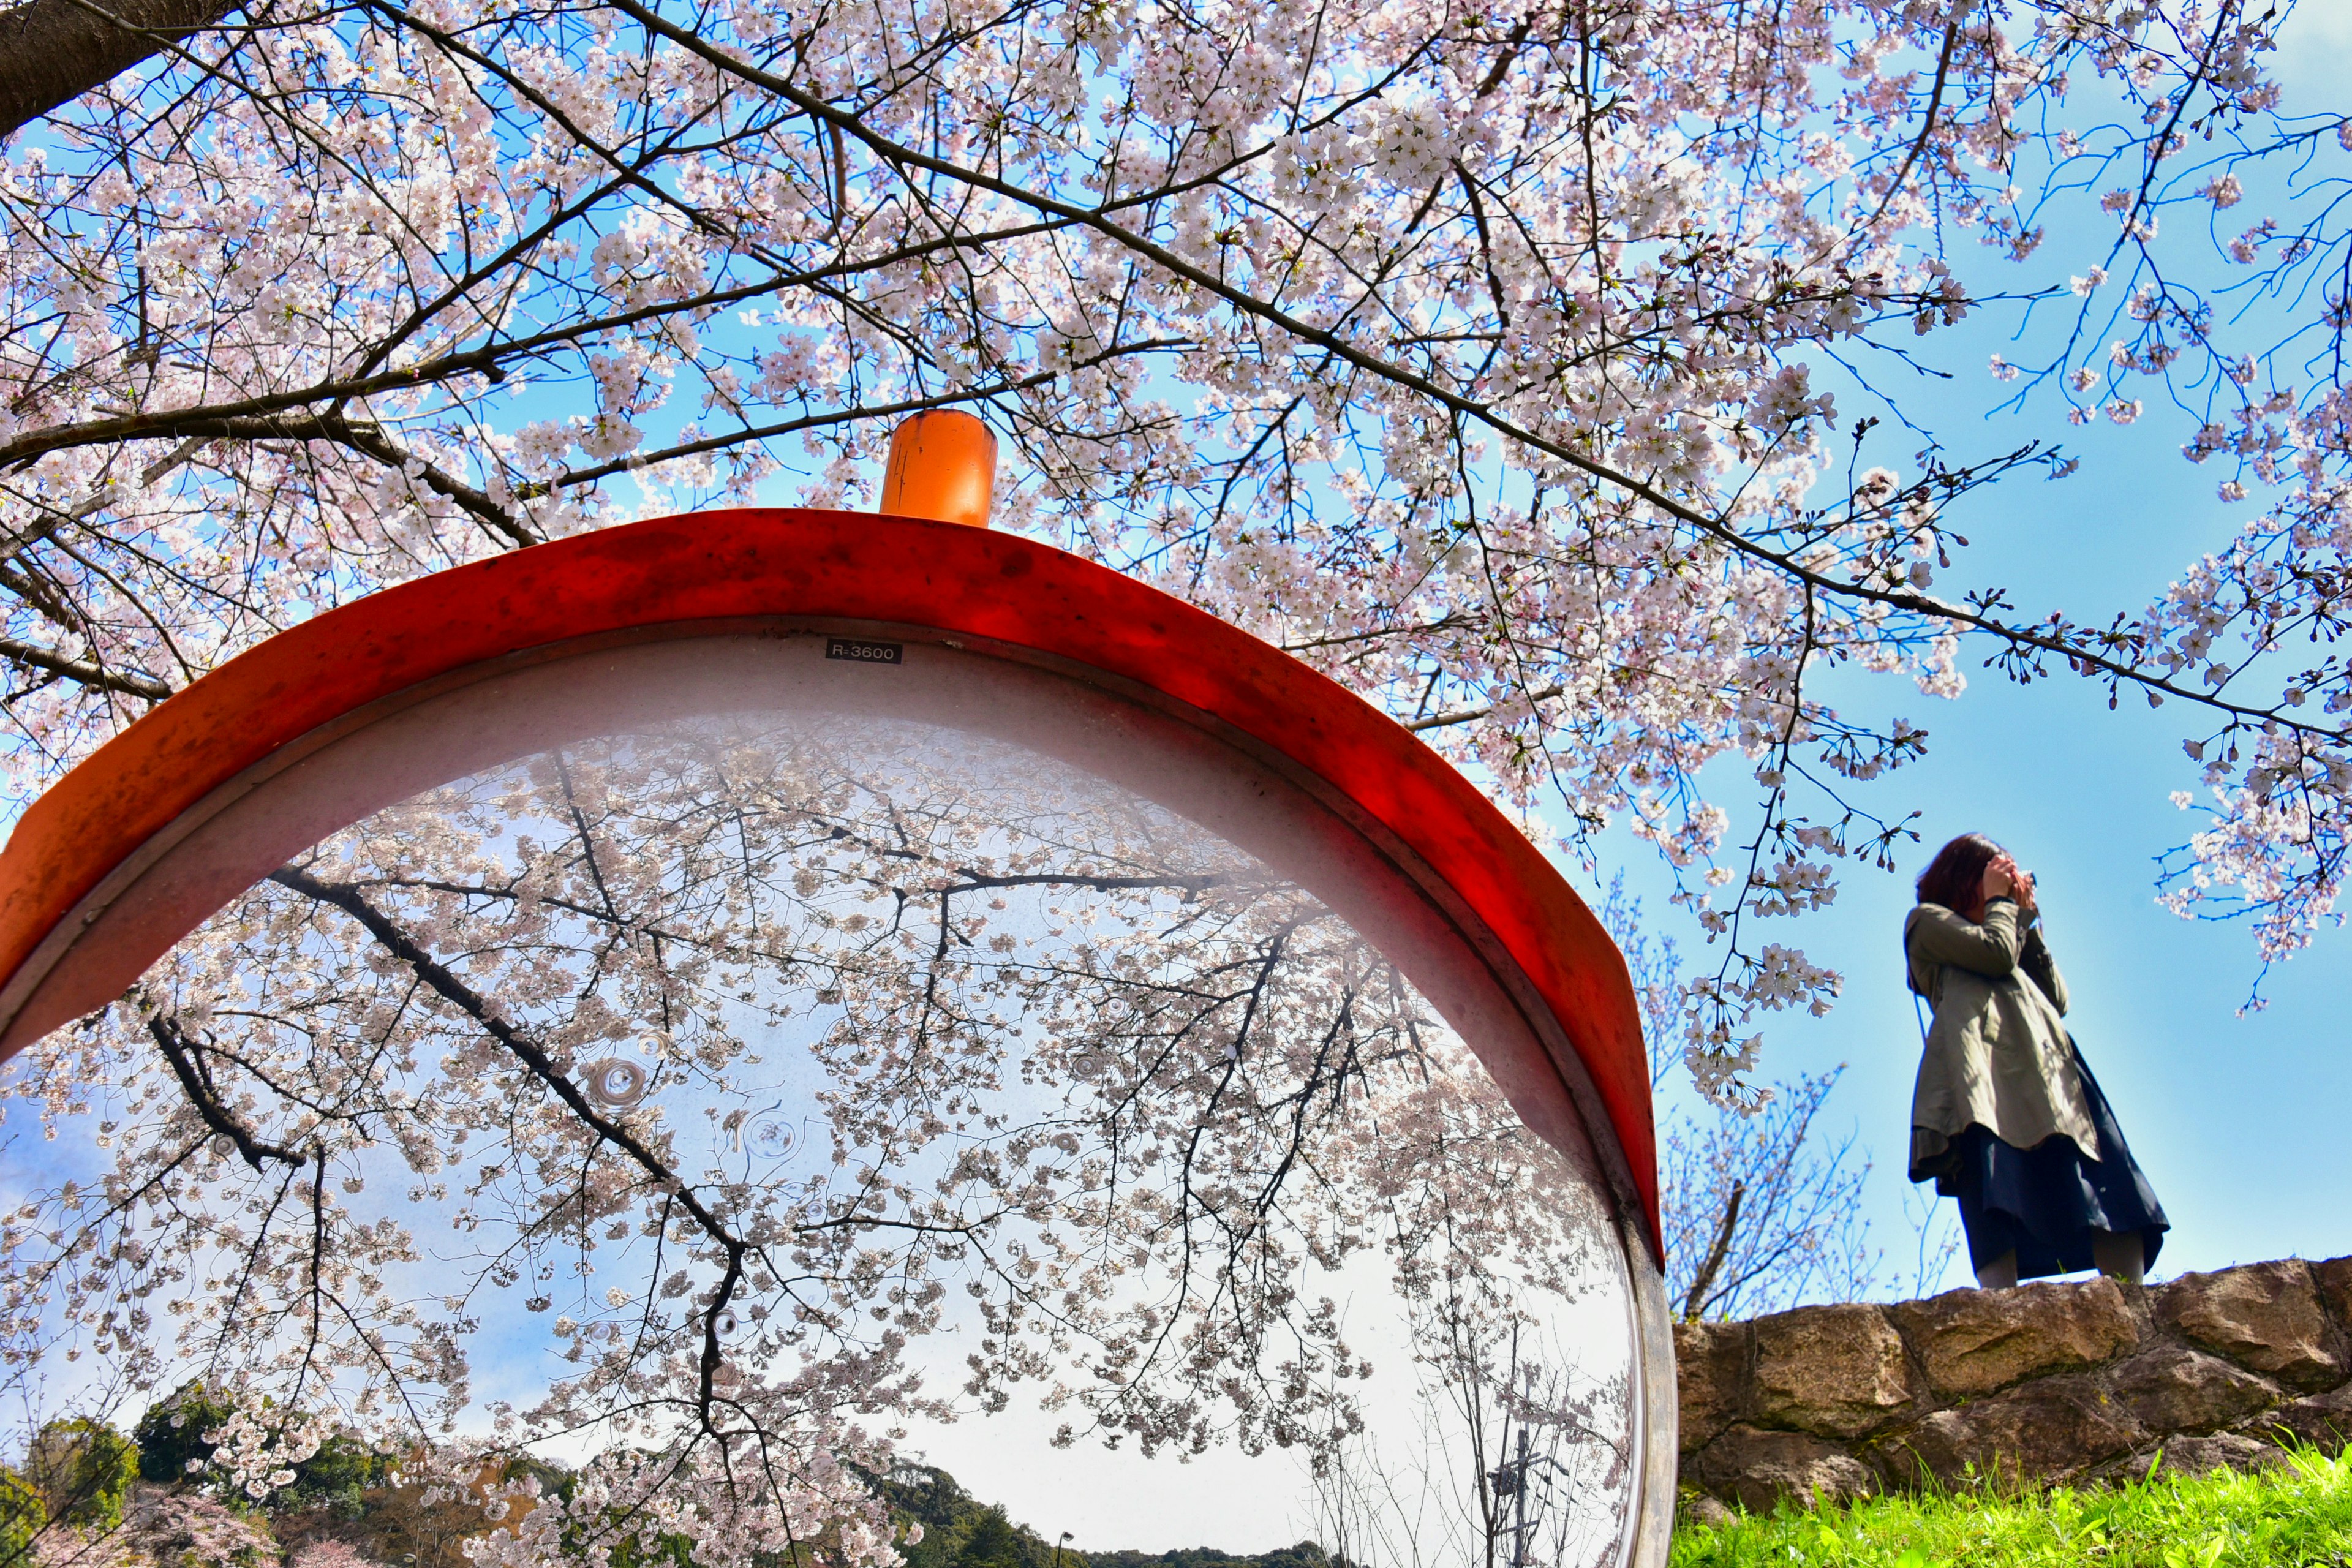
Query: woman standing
{"type": "Point", "coordinates": [2006, 1117]}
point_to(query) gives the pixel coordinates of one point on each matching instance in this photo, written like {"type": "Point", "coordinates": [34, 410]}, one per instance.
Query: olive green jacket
{"type": "Point", "coordinates": [1998, 1055]}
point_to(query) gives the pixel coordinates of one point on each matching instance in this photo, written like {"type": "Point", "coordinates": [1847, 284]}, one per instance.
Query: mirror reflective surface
{"type": "Point", "coordinates": [707, 1117]}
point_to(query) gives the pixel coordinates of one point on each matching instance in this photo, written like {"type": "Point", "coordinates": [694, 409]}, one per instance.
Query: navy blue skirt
{"type": "Point", "coordinates": [2044, 1202]}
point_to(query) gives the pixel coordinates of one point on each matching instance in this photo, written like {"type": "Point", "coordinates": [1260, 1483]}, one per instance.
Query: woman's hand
{"type": "Point", "coordinates": [2000, 881]}
{"type": "Point", "coordinates": [2028, 904]}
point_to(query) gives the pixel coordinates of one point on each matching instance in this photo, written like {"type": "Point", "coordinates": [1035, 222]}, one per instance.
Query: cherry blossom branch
{"type": "Point", "coordinates": [186, 1059]}
{"type": "Point", "coordinates": [451, 989]}
{"type": "Point", "coordinates": [52, 51]}
{"type": "Point", "coordinates": [1926, 129]}
{"type": "Point", "coordinates": [2086, 659]}
{"type": "Point", "coordinates": [89, 672]}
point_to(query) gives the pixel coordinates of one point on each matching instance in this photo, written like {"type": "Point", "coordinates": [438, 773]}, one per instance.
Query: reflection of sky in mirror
{"type": "Point", "coordinates": [1033, 1108]}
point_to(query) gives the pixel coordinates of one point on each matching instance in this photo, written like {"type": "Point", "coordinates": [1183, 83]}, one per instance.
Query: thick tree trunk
{"type": "Point", "coordinates": [52, 51]}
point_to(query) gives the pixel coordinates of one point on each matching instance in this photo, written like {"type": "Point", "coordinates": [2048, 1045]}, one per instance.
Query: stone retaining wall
{"type": "Point", "coordinates": [2081, 1381]}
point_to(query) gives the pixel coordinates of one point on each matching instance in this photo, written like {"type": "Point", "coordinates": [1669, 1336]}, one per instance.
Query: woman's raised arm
{"type": "Point", "coordinates": [1939, 936]}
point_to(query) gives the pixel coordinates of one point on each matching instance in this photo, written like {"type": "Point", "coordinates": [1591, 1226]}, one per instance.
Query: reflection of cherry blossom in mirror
{"type": "Point", "coordinates": [475, 1126]}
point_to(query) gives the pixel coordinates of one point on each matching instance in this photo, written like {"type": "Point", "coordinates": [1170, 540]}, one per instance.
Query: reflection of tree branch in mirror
{"type": "Point", "coordinates": [1095, 1097]}
{"type": "Point", "coordinates": [195, 1082]}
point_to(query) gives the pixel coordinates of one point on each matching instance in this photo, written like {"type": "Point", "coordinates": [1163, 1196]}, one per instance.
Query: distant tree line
{"type": "Point", "coordinates": [958, 1531]}
{"type": "Point", "coordinates": [79, 1472]}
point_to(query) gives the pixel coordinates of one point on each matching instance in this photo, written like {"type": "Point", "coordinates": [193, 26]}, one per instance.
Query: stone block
{"type": "Point", "coordinates": [2195, 1455]}
{"type": "Point", "coordinates": [2171, 1388]}
{"type": "Point", "coordinates": [2324, 1420]}
{"type": "Point", "coordinates": [2265, 1316]}
{"type": "Point", "coordinates": [1755, 1469]}
{"type": "Point", "coordinates": [2044, 1431]}
{"type": "Point", "coordinates": [1711, 1378]}
{"type": "Point", "coordinates": [1836, 1372]}
{"type": "Point", "coordinates": [2334, 1279]}
{"type": "Point", "coordinates": [1974, 1341]}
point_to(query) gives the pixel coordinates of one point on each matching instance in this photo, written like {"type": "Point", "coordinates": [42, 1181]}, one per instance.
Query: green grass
{"type": "Point", "coordinates": [2299, 1515]}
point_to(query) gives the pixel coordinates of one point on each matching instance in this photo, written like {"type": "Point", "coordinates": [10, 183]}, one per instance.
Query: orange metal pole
{"type": "Point", "coordinates": [942, 467]}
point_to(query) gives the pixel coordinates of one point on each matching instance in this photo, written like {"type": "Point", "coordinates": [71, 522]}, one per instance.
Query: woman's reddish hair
{"type": "Point", "coordinates": [1955, 873]}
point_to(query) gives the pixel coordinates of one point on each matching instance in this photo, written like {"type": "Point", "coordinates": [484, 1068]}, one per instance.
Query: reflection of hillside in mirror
{"type": "Point", "coordinates": [651, 1104]}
